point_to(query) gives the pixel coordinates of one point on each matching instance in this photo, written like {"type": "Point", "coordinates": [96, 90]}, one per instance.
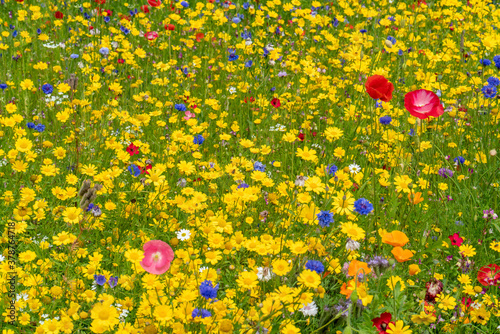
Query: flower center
{"type": "Point", "coordinates": [157, 257]}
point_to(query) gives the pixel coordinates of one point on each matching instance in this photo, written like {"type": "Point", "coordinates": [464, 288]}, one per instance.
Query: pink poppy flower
{"type": "Point", "coordinates": [456, 240]}
{"type": "Point", "coordinates": [189, 115]}
{"type": "Point", "coordinates": [157, 257]}
{"type": "Point", "coordinates": [151, 36]}
{"type": "Point", "coordinates": [423, 103]}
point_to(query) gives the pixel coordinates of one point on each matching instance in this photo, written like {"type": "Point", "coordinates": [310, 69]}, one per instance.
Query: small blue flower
{"type": "Point", "coordinates": [113, 281]}
{"type": "Point", "coordinates": [74, 56]}
{"type": "Point", "coordinates": [47, 89]}
{"type": "Point", "coordinates": [208, 290]}
{"type": "Point", "coordinates": [492, 81]}
{"type": "Point", "coordinates": [39, 31]}
{"type": "Point", "coordinates": [104, 51]}
{"type": "Point", "coordinates": [316, 266]}
{"type": "Point", "coordinates": [184, 4]}
{"type": "Point", "coordinates": [242, 186]}
{"type": "Point", "coordinates": [3, 86]}
{"type": "Point", "coordinates": [201, 313]}
{"type": "Point", "coordinates": [485, 62]}
{"type": "Point", "coordinates": [134, 170]}
{"type": "Point", "coordinates": [14, 33]}
{"type": "Point", "coordinates": [325, 218]}
{"type": "Point", "coordinates": [180, 107]}
{"type": "Point", "coordinates": [124, 30]}
{"type": "Point", "coordinates": [248, 63]}
{"type": "Point", "coordinates": [233, 57]}
{"type": "Point", "coordinates": [363, 206]}
{"type": "Point", "coordinates": [236, 20]}
{"type": "Point", "coordinates": [246, 5]}
{"type": "Point", "coordinates": [332, 169]}
{"type": "Point", "coordinates": [400, 52]}
{"type": "Point", "coordinates": [385, 120]}
{"type": "Point", "coordinates": [198, 139]}
{"type": "Point", "coordinates": [259, 166]}
{"type": "Point", "coordinates": [459, 160]}
{"type": "Point", "coordinates": [100, 279]}
{"type": "Point", "coordinates": [391, 39]}
{"type": "Point", "coordinates": [107, 19]}
{"type": "Point", "coordinates": [363, 31]}
{"type": "Point", "coordinates": [40, 127]}
{"type": "Point", "coordinates": [489, 91]}
{"type": "Point", "coordinates": [30, 125]}
{"type": "Point", "coordinates": [412, 132]}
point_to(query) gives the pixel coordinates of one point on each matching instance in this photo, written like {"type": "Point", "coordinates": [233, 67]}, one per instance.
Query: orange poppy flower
{"type": "Point", "coordinates": [415, 198]}
{"type": "Point", "coordinates": [395, 238]}
{"type": "Point", "coordinates": [402, 255]}
{"type": "Point", "coordinates": [357, 267]}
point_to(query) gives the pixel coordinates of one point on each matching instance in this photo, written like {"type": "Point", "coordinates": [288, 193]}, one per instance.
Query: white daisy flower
{"type": "Point", "coordinates": [310, 309]}
{"type": "Point", "coordinates": [183, 234]}
{"type": "Point", "coordinates": [354, 168]}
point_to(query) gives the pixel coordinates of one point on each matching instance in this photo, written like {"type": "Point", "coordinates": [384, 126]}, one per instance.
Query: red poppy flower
{"type": "Point", "coordinates": [151, 36]}
{"type": "Point", "coordinates": [154, 3]}
{"type": "Point", "coordinates": [275, 102]}
{"type": "Point", "coordinates": [301, 136]}
{"type": "Point", "coordinates": [121, 61]}
{"type": "Point", "coordinates": [200, 36]}
{"type": "Point", "coordinates": [423, 103]}
{"type": "Point", "coordinates": [489, 275]}
{"type": "Point", "coordinates": [100, 2]}
{"type": "Point", "coordinates": [145, 9]}
{"type": "Point", "coordinates": [456, 240]}
{"type": "Point", "coordinates": [382, 322]}
{"type": "Point", "coordinates": [378, 87]}
{"type": "Point", "coordinates": [58, 15]}
{"type": "Point", "coordinates": [132, 149]}
{"type": "Point", "coordinates": [169, 27]}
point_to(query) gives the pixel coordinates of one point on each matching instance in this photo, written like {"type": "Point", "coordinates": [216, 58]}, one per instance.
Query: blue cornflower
{"type": "Point", "coordinates": [104, 51]}
{"type": "Point", "coordinates": [363, 206]}
{"type": "Point", "coordinates": [385, 120]}
{"type": "Point", "coordinates": [489, 91]}
{"type": "Point", "coordinates": [14, 33]}
{"type": "Point", "coordinates": [113, 281]}
{"type": "Point", "coordinates": [378, 104]}
{"type": "Point", "coordinates": [184, 4]}
{"type": "Point", "coordinates": [332, 169]}
{"type": "Point", "coordinates": [201, 313]}
{"type": "Point", "coordinates": [39, 31]}
{"type": "Point", "coordinates": [124, 30]}
{"type": "Point", "coordinates": [246, 5]}
{"type": "Point", "coordinates": [391, 39]}
{"type": "Point", "coordinates": [485, 62]}
{"type": "Point", "coordinates": [40, 127]}
{"type": "Point", "coordinates": [246, 35]}
{"type": "Point", "coordinates": [236, 20]}
{"type": "Point", "coordinates": [233, 57]}
{"type": "Point", "coordinates": [248, 63]}
{"type": "Point", "coordinates": [492, 81]}
{"type": "Point", "coordinates": [30, 125]}
{"type": "Point", "coordinates": [316, 266]}
{"type": "Point", "coordinates": [400, 52]}
{"type": "Point", "coordinates": [459, 160]}
{"type": "Point", "coordinates": [180, 107]}
{"type": "Point", "coordinates": [3, 86]}
{"type": "Point", "coordinates": [74, 56]}
{"type": "Point", "coordinates": [47, 89]}
{"type": "Point", "coordinates": [363, 31]}
{"type": "Point", "coordinates": [198, 139]}
{"type": "Point", "coordinates": [208, 290]}
{"type": "Point", "coordinates": [100, 279]}
{"type": "Point", "coordinates": [134, 170]}
{"type": "Point", "coordinates": [325, 218]}
{"type": "Point", "coordinates": [259, 166]}
{"type": "Point", "coordinates": [335, 22]}
{"type": "Point", "coordinates": [412, 132]}
{"type": "Point", "coordinates": [242, 185]}
{"type": "Point", "coordinates": [107, 19]}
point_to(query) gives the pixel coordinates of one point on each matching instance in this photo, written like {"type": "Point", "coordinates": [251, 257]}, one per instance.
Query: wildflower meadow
{"type": "Point", "coordinates": [246, 166]}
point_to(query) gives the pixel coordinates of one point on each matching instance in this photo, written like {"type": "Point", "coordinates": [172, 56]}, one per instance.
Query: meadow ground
{"type": "Point", "coordinates": [280, 166]}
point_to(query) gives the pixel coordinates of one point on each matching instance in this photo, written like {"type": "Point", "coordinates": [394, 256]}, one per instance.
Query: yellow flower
{"type": "Point", "coordinates": [423, 318]}
{"type": "Point", "coordinates": [399, 328]}
{"type": "Point", "coordinates": [495, 245]}
{"type": "Point", "coordinates": [343, 203]}
{"type": "Point", "coordinates": [306, 154]}
{"type": "Point", "coordinates": [310, 279]}
{"type": "Point", "coordinates": [247, 280]}
{"type": "Point", "coordinates": [23, 144]}
{"type": "Point", "coordinates": [63, 87]}
{"type": "Point", "coordinates": [72, 215]}
{"type": "Point", "coordinates": [392, 282]}
{"type": "Point", "coordinates": [290, 329]}
{"type": "Point", "coordinates": [353, 231]}
{"type": "Point", "coordinates": [281, 267]}
{"type": "Point", "coordinates": [27, 84]}
{"type": "Point", "coordinates": [446, 302]}
{"type": "Point", "coordinates": [467, 250]}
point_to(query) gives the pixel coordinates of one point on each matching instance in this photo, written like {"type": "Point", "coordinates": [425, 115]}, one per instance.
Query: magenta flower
{"type": "Point", "coordinates": [456, 240]}
{"type": "Point", "coordinates": [157, 257]}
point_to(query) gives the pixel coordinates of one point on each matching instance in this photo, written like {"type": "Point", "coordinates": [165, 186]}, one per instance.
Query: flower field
{"type": "Point", "coordinates": [278, 166]}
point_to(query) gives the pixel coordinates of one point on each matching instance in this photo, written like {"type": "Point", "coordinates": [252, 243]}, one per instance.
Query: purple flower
{"type": "Point", "coordinates": [100, 279]}
{"type": "Point", "coordinates": [113, 281]}
{"type": "Point", "coordinates": [445, 172]}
